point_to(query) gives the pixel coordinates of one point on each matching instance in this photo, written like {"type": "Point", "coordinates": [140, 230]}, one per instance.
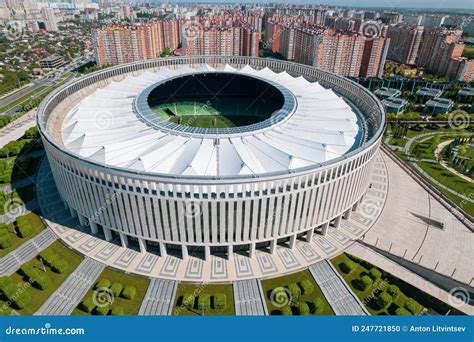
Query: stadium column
{"type": "Point", "coordinates": [73, 212]}
{"type": "Point", "coordinates": [292, 241]}
{"type": "Point", "coordinates": [184, 252]}
{"type": "Point", "coordinates": [252, 250]}
{"type": "Point", "coordinates": [93, 226]}
{"type": "Point", "coordinates": [324, 229]}
{"type": "Point", "coordinates": [108, 234]}
{"type": "Point", "coordinates": [309, 235]}
{"type": "Point", "coordinates": [142, 245]}
{"type": "Point", "coordinates": [207, 253]}
{"type": "Point", "coordinates": [66, 206]}
{"type": "Point", "coordinates": [355, 206]}
{"type": "Point", "coordinates": [123, 240]}
{"type": "Point", "coordinates": [347, 214]}
{"type": "Point", "coordinates": [337, 221]}
{"type": "Point", "coordinates": [230, 252]}
{"type": "Point", "coordinates": [82, 220]}
{"type": "Point", "coordinates": [273, 245]}
{"type": "Point", "coordinates": [163, 249]}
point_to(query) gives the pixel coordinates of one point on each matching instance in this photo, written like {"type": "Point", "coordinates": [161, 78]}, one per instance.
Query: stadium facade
{"type": "Point", "coordinates": [129, 173]}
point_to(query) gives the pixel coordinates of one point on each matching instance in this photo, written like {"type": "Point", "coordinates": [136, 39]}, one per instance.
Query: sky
{"type": "Point", "coordinates": [428, 4]}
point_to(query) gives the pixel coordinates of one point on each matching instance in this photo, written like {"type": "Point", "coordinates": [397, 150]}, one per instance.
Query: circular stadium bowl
{"type": "Point", "coordinates": [211, 155]}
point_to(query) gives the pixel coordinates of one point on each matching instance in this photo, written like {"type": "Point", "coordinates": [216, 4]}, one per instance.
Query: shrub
{"type": "Point", "coordinates": [413, 306]}
{"type": "Point", "coordinates": [19, 299]}
{"type": "Point", "coordinates": [347, 266]}
{"type": "Point", "coordinates": [402, 312]}
{"type": "Point", "coordinates": [116, 289]}
{"type": "Point", "coordinates": [220, 301]}
{"type": "Point", "coordinates": [303, 309]}
{"type": "Point", "coordinates": [384, 300]}
{"type": "Point", "coordinates": [375, 273]}
{"type": "Point", "coordinates": [129, 292]}
{"type": "Point", "coordinates": [306, 287]}
{"type": "Point", "coordinates": [39, 279]}
{"type": "Point", "coordinates": [102, 283]}
{"type": "Point", "coordinates": [316, 306]}
{"type": "Point", "coordinates": [5, 310]}
{"type": "Point", "coordinates": [295, 292]}
{"type": "Point", "coordinates": [87, 305]}
{"type": "Point", "coordinates": [204, 302]}
{"type": "Point", "coordinates": [5, 241]}
{"type": "Point", "coordinates": [393, 291]}
{"type": "Point", "coordinates": [4, 152]}
{"type": "Point", "coordinates": [60, 266]}
{"type": "Point", "coordinates": [102, 310]}
{"type": "Point", "coordinates": [24, 231]}
{"type": "Point", "coordinates": [118, 311]}
{"type": "Point", "coordinates": [188, 300]}
{"type": "Point", "coordinates": [365, 282]}
{"type": "Point", "coordinates": [286, 311]}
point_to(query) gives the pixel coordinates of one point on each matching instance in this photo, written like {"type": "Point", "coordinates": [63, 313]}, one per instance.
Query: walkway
{"type": "Point", "coordinates": [159, 298]}
{"type": "Point", "coordinates": [66, 298]}
{"type": "Point", "coordinates": [13, 260]}
{"type": "Point", "coordinates": [339, 295]}
{"type": "Point", "coordinates": [443, 163]}
{"type": "Point", "coordinates": [217, 269]}
{"type": "Point", "coordinates": [17, 129]}
{"type": "Point", "coordinates": [249, 298]}
{"type": "Point", "coordinates": [406, 275]}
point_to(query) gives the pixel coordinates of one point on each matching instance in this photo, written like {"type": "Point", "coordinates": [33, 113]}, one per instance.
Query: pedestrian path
{"type": "Point", "coordinates": [249, 298]}
{"type": "Point", "coordinates": [13, 260]}
{"type": "Point", "coordinates": [66, 298]}
{"type": "Point", "coordinates": [159, 298]}
{"type": "Point", "coordinates": [339, 295]}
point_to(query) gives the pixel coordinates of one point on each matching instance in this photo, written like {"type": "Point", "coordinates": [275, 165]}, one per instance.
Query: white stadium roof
{"type": "Point", "coordinates": [103, 127]}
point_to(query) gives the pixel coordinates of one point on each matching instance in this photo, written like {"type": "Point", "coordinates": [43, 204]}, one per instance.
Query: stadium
{"type": "Point", "coordinates": [211, 155]}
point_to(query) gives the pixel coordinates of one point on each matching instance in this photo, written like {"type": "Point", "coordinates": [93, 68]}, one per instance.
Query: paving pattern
{"type": "Point", "coordinates": [217, 269]}
{"type": "Point", "coordinates": [13, 260]}
{"type": "Point", "coordinates": [339, 295]}
{"type": "Point", "coordinates": [249, 299]}
{"type": "Point", "coordinates": [66, 298]}
{"type": "Point", "coordinates": [159, 298]}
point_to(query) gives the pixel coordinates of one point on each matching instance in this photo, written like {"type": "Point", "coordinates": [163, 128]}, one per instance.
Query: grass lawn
{"type": "Point", "coordinates": [398, 142]}
{"type": "Point", "coordinates": [369, 295]}
{"type": "Point", "coordinates": [38, 297]}
{"type": "Point", "coordinates": [268, 285]}
{"type": "Point", "coordinates": [185, 289]}
{"type": "Point", "coordinates": [36, 226]}
{"type": "Point", "coordinates": [130, 306]}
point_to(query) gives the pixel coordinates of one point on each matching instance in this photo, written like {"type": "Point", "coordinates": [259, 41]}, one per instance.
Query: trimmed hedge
{"type": "Point", "coordinates": [384, 300]}
{"type": "Point", "coordinates": [204, 302]}
{"type": "Point", "coordinates": [316, 306]}
{"type": "Point", "coordinates": [102, 283]}
{"type": "Point", "coordinates": [393, 291]}
{"type": "Point", "coordinates": [347, 266]}
{"type": "Point", "coordinates": [365, 282]}
{"type": "Point", "coordinates": [303, 309]}
{"type": "Point", "coordinates": [413, 306]}
{"type": "Point", "coordinates": [375, 273]}
{"type": "Point", "coordinates": [402, 312]}
{"type": "Point", "coordinates": [220, 301]}
{"type": "Point", "coordinates": [55, 261]}
{"type": "Point", "coordinates": [118, 311]}
{"type": "Point", "coordinates": [102, 310]}
{"type": "Point", "coordinates": [295, 292]}
{"type": "Point", "coordinates": [116, 289]}
{"type": "Point", "coordinates": [129, 292]}
{"type": "Point", "coordinates": [286, 311]}
{"type": "Point", "coordinates": [5, 241]}
{"type": "Point", "coordinates": [39, 279]}
{"type": "Point", "coordinates": [188, 300]}
{"type": "Point", "coordinates": [306, 287]}
{"type": "Point", "coordinates": [24, 231]}
{"type": "Point", "coordinates": [19, 299]}
{"type": "Point", "coordinates": [87, 305]}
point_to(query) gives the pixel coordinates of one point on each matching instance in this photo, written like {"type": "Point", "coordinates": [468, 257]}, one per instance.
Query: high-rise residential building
{"type": "Point", "coordinates": [49, 19]}
{"type": "Point", "coordinates": [404, 43]}
{"type": "Point", "coordinates": [307, 44]}
{"type": "Point", "coordinates": [171, 34]}
{"type": "Point", "coordinates": [287, 42]}
{"type": "Point", "coordinates": [374, 57]}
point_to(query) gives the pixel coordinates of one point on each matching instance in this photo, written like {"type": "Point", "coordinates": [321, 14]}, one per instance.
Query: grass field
{"type": "Point", "coordinates": [130, 306]}
{"type": "Point", "coordinates": [268, 285]}
{"type": "Point", "coordinates": [186, 289]}
{"type": "Point", "coordinates": [36, 226]}
{"type": "Point", "coordinates": [38, 297]}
